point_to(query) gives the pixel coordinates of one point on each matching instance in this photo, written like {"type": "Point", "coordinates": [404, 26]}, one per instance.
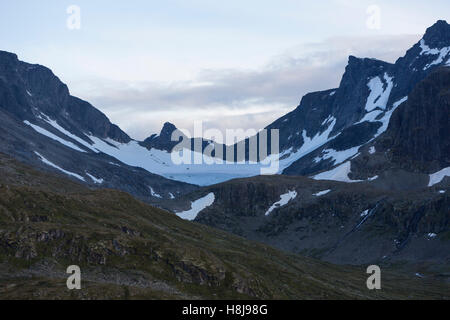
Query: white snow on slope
{"type": "Point", "coordinates": [379, 95]}
{"type": "Point", "coordinates": [437, 177]}
{"type": "Point", "coordinates": [309, 145]}
{"type": "Point", "coordinates": [432, 235]}
{"type": "Point", "coordinates": [53, 136]}
{"type": "Point", "coordinates": [160, 162]}
{"type": "Point", "coordinates": [339, 173]}
{"type": "Point", "coordinates": [337, 156]}
{"type": "Point", "coordinates": [370, 116]}
{"type": "Point", "coordinates": [426, 50]}
{"type": "Point", "coordinates": [387, 117]}
{"type": "Point", "coordinates": [284, 200]}
{"type": "Point", "coordinates": [196, 207]}
{"type": "Point", "coordinates": [96, 180]}
{"type": "Point", "coordinates": [55, 125]}
{"type": "Point", "coordinates": [322, 193]}
{"type": "Point", "coordinates": [51, 164]}
{"type": "Point", "coordinates": [364, 213]}
{"type": "Point", "coordinates": [171, 195]}
{"type": "Point", "coordinates": [372, 150]}
{"type": "Point", "coordinates": [154, 194]}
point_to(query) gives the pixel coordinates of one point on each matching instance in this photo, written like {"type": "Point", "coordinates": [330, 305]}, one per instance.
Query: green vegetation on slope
{"type": "Point", "coordinates": [127, 249]}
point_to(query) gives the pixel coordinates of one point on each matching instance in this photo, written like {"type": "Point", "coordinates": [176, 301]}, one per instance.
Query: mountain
{"type": "Point", "coordinates": [388, 203]}
{"type": "Point", "coordinates": [325, 130]}
{"type": "Point", "coordinates": [129, 250]}
{"type": "Point", "coordinates": [360, 109]}
{"type": "Point", "coordinates": [363, 179]}
{"type": "Point", "coordinates": [43, 125]}
{"type": "Point", "coordinates": [329, 127]}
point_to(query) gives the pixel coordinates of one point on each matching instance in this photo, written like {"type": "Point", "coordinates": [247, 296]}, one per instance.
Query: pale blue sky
{"type": "Point", "coordinates": [228, 62]}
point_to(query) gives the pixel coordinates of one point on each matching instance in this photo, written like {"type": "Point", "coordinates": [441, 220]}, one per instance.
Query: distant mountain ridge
{"type": "Point", "coordinates": [44, 125]}
{"type": "Point", "coordinates": [329, 127]}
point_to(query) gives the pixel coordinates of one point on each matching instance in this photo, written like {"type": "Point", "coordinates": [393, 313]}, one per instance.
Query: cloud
{"type": "Point", "coordinates": [238, 98]}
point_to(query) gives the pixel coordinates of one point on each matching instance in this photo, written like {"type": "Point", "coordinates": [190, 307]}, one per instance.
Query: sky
{"type": "Point", "coordinates": [232, 64]}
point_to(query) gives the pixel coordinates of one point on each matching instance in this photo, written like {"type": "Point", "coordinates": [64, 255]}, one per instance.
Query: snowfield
{"type": "Point", "coordinates": [441, 53]}
{"type": "Point", "coordinates": [96, 180]}
{"type": "Point", "coordinates": [59, 168]}
{"type": "Point", "coordinates": [322, 193]}
{"type": "Point", "coordinates": [437, 177]}
{"type": "Point", "coordinates": [196, 207]}
{"type": "Point", "coordinates": [284, 200]}
{"type": "Point", "coordinates": [53, 136]}
{"type": "Point", "coordinates": [154, 194]}
{"type": "Point", "coordinates": [379, 94]}
{"type": "Point", "coordinates": [337, 156]}
{"type": "Point", "coordinates": [339, 173]}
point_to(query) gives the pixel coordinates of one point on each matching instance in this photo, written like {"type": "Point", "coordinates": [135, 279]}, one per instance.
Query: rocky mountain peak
{"type": "Point", "coordinates": [7, 59]}
{"type": "Point", "coordinates": [438, 35]}
{"type": "Point", "coordinates": [167, 129]}
{"type": "Point", "coordinates": [163, 141]}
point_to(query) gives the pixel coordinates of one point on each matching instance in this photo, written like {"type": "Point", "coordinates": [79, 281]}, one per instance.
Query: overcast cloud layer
{"type": "Point", "coordinates": [233, 64]}
{"type": "Point", "coordinates": [240, 98]}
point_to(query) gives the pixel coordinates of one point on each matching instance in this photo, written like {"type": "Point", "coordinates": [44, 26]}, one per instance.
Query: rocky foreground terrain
{"type": "Point", "coordinates": [128, 249]}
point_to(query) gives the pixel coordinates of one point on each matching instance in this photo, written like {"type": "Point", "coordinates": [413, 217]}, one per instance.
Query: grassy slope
{"type": "Point", "coordinates": [127, 249]}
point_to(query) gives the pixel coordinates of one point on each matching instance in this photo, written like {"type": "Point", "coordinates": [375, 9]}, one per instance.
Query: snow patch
{"type": "Point", "coordinates": [387, 117]}
{"type": "Point", "coordinates": [96, 180]}
{"type": "Point", "coordinates": [370, 116]}
{"type": "Point", "coordinates": [284, 200]}
{"type": "Point", "coordinates": [364, 213]}
{"type": "Point", "coordinates": [379, 95]}
{"type": "Point", "coordinates": [337, 156]}
{"type": "Point", "coordinates": [309, 145]}
{"type": "Point", "coordinates": [426, 50]}
{"type": "Point", "coordinates": [196, 207]}
{"type": "Point", "coordinates": [51, 164]}
{"type": "Point", "coordinates": [372, 150]}
{"type": "Point", "coordinates": [55, 125]}
{"type": "Point", "coordinates": [373, 178]}
{"type": "Point", "coordinates": [431, 235]}
{"type": "Point", "coordinates": [437, 177]}
{"type": "Point", "coordinates": [322, 193]}
{"type": "Point", "coordinates": [154, 194]}
{"type": "Point", "coordinates": [340, 173]}
{"type": "Point", "coordinates": [53, 136]}
{"type": "Point", "coordinates": [171, 195]}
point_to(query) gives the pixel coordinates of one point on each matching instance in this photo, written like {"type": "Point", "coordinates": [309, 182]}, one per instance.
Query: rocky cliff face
{"type": "Point", "coordinates": [369, 92]}
{"type": "Point", "coordinates": [419, 129]}
{"type": "Point", "coordinates": [28, 91]}
{"type": "Point", "coordinates": [43, 125]}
